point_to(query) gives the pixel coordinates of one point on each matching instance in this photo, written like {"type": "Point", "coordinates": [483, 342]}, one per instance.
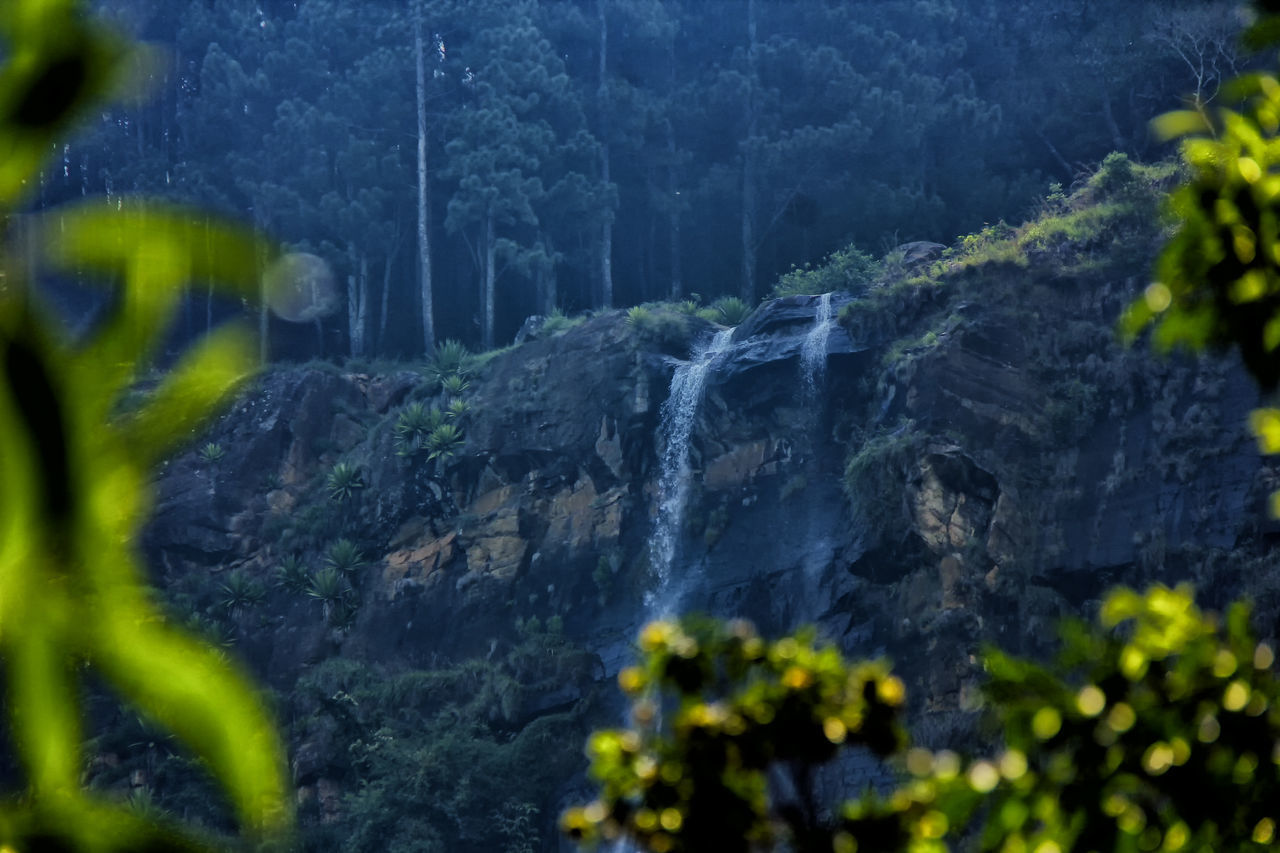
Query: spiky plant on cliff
{"type": "Point", "coordinates": [730, 310]}
{"type": "Point", "coordinates": [343, 481]}
{"type": "Point", "coordinates": [345, 558]}
{"type": "Point", "coordinates": [413, 426]}
{"type": "Point", "coordinates": [444, 442]}
{"type": "Point", "coordinates": [452, 358]}
{"type": "Point", "coordinates": [292, 574]}
{"type": "Point", "coordinates": [211, 453]}
{"type": "Point", "coordinates": [454, 385]}
{"type": "Point", "coordinates": [330, 588]}
{"type": "Point", "coordinates": [240, 593]}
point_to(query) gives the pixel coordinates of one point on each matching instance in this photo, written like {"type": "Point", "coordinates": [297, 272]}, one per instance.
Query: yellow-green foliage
{"type": "Point", "coordinates": [844, 269]}
{"type": "Point", "coordinates": [714, 707]}
{"type": "Point", "coordinates": [74, 489]}
{"type": "Point", "coordinates": [1217, 282]}
{"type": "Point", "coordinates": [1154, 730]}
{"type": "Point", "coordinates": [1119, 198]}
{"type": "Point", "coordinates": [660, 323]}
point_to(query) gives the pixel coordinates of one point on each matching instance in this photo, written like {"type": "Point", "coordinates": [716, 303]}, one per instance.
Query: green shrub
{"type": "Point", "coordinates": [638, 316]}
{"type": "Point", "coordinates": [449, 758]}
{"type": "Point", "coordinates": [557, 322]}
{"type": "Point", "coordinates": [876, 475]}
{"type": "Point", "coordinates": [661, 325]}
{"type": "Point", "coordinates": [849, 268]}
{"type": "Point", "coordinates": [1115, 176]}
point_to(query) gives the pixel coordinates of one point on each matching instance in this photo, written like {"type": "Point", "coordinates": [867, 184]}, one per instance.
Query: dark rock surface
{"type": "Point", "coordinates": [1041, 463]}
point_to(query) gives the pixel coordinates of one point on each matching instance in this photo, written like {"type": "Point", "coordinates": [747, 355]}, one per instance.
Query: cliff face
{"type": "Point", "coordinates": [969, 456]}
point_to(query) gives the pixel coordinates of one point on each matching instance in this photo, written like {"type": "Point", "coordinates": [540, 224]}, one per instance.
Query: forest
{"type": "Point", "coordinates": [461, 166]}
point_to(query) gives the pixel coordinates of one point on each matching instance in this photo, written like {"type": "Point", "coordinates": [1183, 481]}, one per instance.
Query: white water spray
{"type": "Point", "coordinates": [674, 432]}
{"type": "Point", "coordinates": [813, 352]}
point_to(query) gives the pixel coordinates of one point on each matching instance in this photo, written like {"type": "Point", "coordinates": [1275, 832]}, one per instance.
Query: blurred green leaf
{"type": "Point", "coordinates": [74, 492]}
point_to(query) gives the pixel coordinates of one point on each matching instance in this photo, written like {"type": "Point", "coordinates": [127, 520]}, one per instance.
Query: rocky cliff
{"type": "Point", "coordinates": [970, 456]}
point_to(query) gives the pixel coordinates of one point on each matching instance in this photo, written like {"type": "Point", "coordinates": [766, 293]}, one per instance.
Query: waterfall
{"type": "Point", "coordinates": [813, 352]}
{"type": "Point", "coordinates": [674, 431]}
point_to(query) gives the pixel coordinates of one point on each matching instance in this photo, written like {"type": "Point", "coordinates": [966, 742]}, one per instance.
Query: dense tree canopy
{"type": "Point", "coordinates": [582, 153]}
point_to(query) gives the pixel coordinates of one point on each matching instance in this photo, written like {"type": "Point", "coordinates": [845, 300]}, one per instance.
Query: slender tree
{"type": "Point", "coordinates": [750, 162]}
{"type": "Point", "coordinates": [602, 108]}
{"type": "Point", "coordinates": [427, 300]}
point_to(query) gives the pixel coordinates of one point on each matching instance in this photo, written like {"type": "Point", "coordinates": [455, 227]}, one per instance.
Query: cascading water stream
{"type": "Point", "coordinates": [674, 431]}
{"type": "Point", "coordinates": [813, 352]}
{"type": "Point", "coordinates": [813, 367]}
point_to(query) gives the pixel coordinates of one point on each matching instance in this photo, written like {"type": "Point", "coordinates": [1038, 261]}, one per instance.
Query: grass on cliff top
{"type": "Point", "coordinates": [1109, 220]}
{"type": "Point", "coordinates": [1102, 221]}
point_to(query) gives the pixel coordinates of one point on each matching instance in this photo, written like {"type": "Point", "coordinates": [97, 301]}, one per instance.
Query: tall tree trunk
{"type": "Point", "coordinates": [673, 186]}
{"type": "Point", "coordinates": [1117, 138]}
{"type": "Point", "coordinates": [547, 284]}
{"type": "Point", "coordinates": [486, 296]}
{"type": "Point", "coordinates": [357, 307]}
{"type": "Point", "coordinates": [602, 107]}
{"type": "Point", "coordinates": [424, 236]}
{"type": "Point", "coordinates": [677, 283]}
{"type": "Point", "coordinates": [382, 309]}
{"type": "Point", "coordinates": [749, 166]}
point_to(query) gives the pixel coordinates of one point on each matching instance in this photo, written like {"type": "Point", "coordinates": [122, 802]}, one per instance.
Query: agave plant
{"type": "Point", "coordinates": [292, 574]}
{"type": "Point", "coordinates": [211, 453]}
{"type": "Point", "coordinates": [240, 592]}
{"type": "Point", "coordinates": [452, 358]}
{"type": "Point", "coordinates": [344, 558]}
{"type": "Point", "coordinates": [444, 442]}
{"type": "Point", "coordinates": [141, 804]}
{"type": "Point", "coordinates": [413, 425]}
{"type": "Point", "coordinates": [454, 384]}
{"type": "Point", "coordinates": [730, 310]}
{"type": "Point", "coordinates": [343, 481]}
{"type": "Point", "coordinates": [212, 630]}
{"type": "Point", "coordinates": [456, 409]}
{"type": "Point", "coordinates": [329, 588]}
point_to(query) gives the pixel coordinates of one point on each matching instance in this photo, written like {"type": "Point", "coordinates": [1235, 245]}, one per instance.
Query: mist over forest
{"type": "Point", "coordinates": [513, 158]}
